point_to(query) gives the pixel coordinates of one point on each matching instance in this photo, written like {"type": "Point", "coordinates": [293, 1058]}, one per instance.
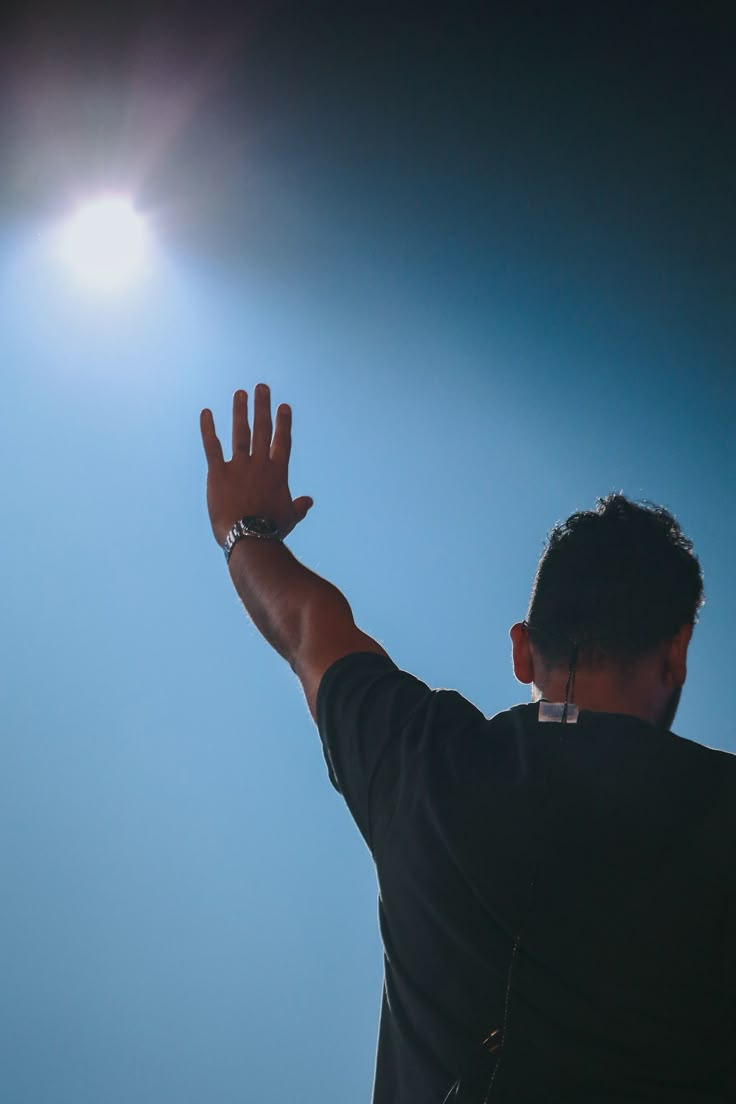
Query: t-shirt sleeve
{"type": "Point", "coordinates": [373, 720]}
{"type": "Point", "coordinates": [364, 703]}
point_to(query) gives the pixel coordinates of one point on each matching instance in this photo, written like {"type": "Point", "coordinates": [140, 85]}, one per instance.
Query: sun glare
{"type": "Point", "coordinates": [104, 243]}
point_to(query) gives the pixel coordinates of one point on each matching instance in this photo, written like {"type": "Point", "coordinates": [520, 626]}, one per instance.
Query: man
{"type": "Point", "coordinates": [557, 897]}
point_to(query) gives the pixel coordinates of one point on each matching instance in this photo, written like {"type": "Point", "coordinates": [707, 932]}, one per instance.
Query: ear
{"type": "Point", "coordinates": [676, 656]}
{"type": "Point", "coordinates": [521, 653]}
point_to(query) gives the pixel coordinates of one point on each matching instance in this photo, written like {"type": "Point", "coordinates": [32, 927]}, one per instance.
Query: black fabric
{"type": "Point", "coordinates": [609, 842]}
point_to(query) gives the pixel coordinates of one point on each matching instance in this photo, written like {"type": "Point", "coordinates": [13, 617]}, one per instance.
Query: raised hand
{"type": "Point", "coordinates": [256, 480]}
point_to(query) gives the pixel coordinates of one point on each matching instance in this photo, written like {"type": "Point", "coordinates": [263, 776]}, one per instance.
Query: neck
{"type": "Point", "coordinates": [609, 690]}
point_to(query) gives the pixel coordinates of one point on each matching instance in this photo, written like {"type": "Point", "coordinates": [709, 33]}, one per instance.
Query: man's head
{"type": "Point", "coordinates": [620, 582]}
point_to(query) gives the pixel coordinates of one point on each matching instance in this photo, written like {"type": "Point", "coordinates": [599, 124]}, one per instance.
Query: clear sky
{"type": "Point", "coordinates": [489, 261]}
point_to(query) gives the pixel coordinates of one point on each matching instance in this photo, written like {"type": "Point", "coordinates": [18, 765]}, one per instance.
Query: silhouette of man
{"type": "Point", "coordinates": [557, 900]}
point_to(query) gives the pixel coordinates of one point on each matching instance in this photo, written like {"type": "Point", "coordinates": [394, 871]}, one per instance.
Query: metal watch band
{"type": "Point", "coordinates": [259, 527]}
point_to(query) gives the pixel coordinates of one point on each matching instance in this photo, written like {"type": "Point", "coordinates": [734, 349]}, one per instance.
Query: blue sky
{"type": "Point", "coordinates": [482, 322]}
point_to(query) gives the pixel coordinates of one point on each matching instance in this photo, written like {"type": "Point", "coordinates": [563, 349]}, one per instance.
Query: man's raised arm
{"type": "Point", "coordinates": [306, 619]}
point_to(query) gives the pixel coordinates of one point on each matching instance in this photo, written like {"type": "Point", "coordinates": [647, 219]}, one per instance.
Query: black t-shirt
{"type": "Point", "coordinates": [608, 845]}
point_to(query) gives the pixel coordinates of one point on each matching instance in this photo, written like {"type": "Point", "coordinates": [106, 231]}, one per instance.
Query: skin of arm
{"type": "Point", "coordinates": [305, 618]}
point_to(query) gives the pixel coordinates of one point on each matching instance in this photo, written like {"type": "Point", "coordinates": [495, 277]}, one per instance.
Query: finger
{"type": "Point", "coordinates": [302, 506]}
{"type": "Point", "coordinates": [262, 428]}
{"type": "Point", "coordinates": [281, 447]}
{"type": "Point", "coordinates": [212, 446]}
{"type": "Point", "coordinates": [241, 428]}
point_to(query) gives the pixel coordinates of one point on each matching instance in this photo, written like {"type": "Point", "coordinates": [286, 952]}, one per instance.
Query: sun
{"type": "Point", "coordinates": [105, 243]}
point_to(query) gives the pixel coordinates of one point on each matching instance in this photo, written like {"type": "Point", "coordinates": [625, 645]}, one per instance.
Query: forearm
{"type": "Point", "coordinates": [283, 598]}
{"type": "Point", "coordinates": [305, 618]}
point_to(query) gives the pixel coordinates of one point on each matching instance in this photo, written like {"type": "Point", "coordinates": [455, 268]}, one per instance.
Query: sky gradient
{"type": "Point", "coordinates": [488, 259]}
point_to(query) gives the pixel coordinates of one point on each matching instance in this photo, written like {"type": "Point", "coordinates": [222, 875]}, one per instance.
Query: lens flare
{"type": "Point", "coordinates": [105, 243]}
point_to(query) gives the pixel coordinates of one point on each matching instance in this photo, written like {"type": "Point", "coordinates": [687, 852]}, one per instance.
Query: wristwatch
{"type": "Point", "coordinates": [259, 527]}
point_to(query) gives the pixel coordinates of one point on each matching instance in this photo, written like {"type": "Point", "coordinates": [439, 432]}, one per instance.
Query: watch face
{"type": "Point", "coordinates": [263, 527]}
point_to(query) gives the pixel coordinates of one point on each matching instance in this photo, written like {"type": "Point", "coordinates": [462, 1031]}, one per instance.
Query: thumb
{"type": "Point", "coordinates": [302, 506]}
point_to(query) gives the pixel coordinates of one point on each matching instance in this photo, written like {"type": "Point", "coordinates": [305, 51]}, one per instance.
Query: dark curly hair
{"type": "Point", "coordinates": [616, 581]}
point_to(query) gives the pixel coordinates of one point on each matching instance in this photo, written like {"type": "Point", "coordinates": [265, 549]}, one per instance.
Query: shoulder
{"type": "Point", "coordinates": [376, 722]}
{"type": "Point", "coordinates": [368, 682]}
